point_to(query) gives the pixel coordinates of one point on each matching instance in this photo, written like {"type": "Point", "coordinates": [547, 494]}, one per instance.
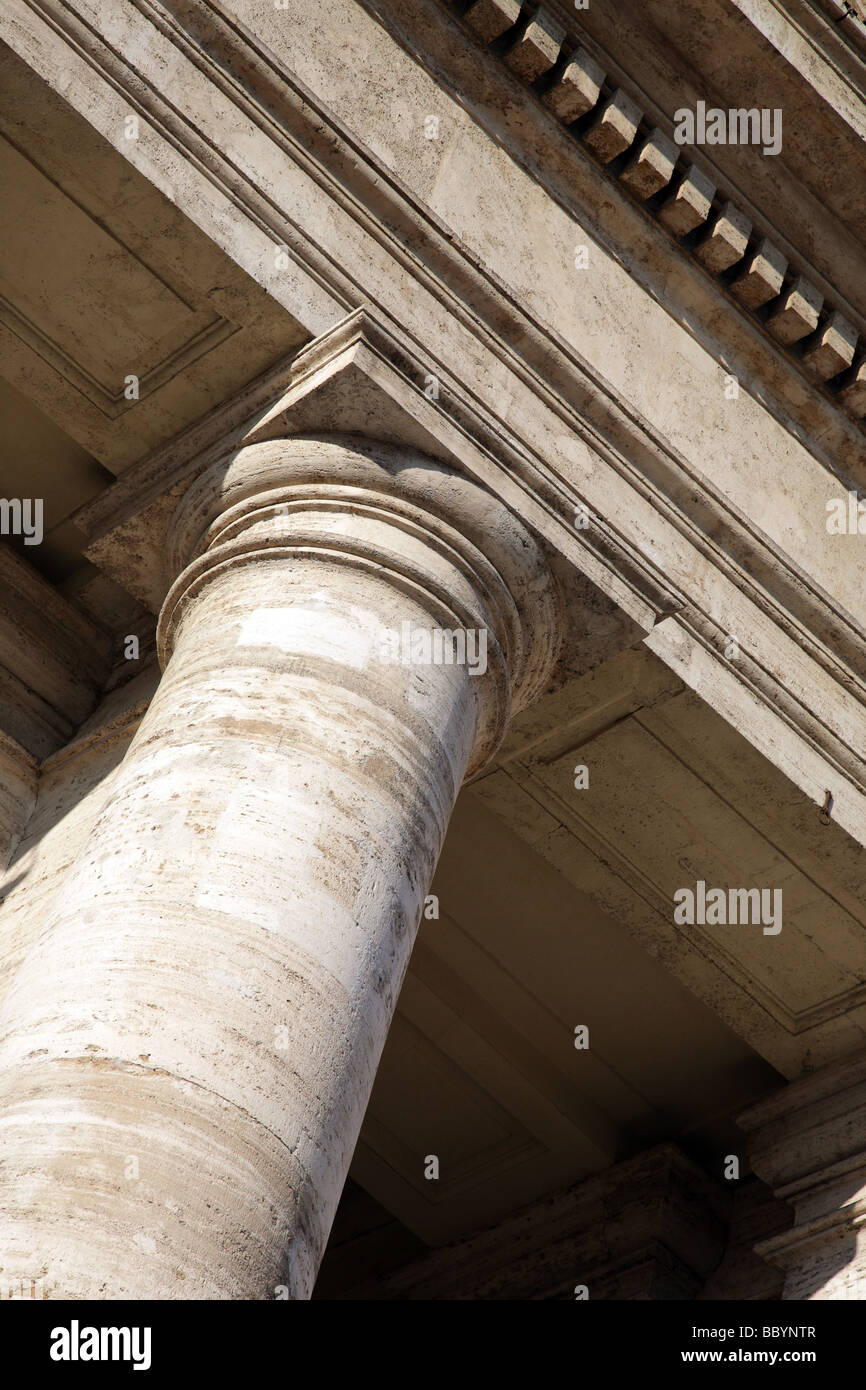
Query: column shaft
{"type": "Point", "coordinates": [187, 1053]}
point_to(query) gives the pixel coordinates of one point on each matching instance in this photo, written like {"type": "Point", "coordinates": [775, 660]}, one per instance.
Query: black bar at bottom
{"type": "Point", "coordinates": [163, 1340]}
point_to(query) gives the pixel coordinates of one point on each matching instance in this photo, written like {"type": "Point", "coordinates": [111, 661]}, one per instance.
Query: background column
{"type": "Point", "coordinates": [808, 1142]}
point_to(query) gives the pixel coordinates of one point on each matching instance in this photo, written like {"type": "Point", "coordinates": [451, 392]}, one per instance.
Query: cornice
{"type": "Point", "coordinates": [555, 373]}
{"type": "Point", "coordinates": [845, 385]}
{"type": "Point", "coordinates": [800, 1102]}
{"type": "Point", "coordinates": [671, 1225]}
{"type": "Point", "coordinates": [362, 379]}
{"type": "Point", "coordinates": [559, 379]}
{"type": "Point", "coordinates": [120, 727]}
{"type": "Point", "coordinates": [15, 755]}
{"type": "Point", "coordinates": [19, 773]}
{"type": "Point", "coordinates": [699, 511]}
{"type": "Point", "coordinates": [808, 1142]}
{"type": "Point", "coordinates": [833, 32]}
{"type": "Point", "coordinates": [290, 116]}
{"type": "Point", "coordinates": [170, 122]}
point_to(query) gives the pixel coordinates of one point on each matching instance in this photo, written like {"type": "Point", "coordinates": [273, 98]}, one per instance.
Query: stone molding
{"type": "Point", "coordinates": [290, 116]}
{"type": "Point", "coordinates": [18, 778]}
{"type": "Point", "coordinates": [606, 120]}
{"type": "Point", "coordinates": [425, 527]}
{"type": "Point", "coordinates": [362, 378]}
{"type": "Point", "coordinates": [833, 23]}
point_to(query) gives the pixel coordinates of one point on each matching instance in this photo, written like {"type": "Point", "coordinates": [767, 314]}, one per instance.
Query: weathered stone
{"type": "Point", "coordinates": [690, 204]}
{"type": "Point", "coordinates": [726, 241]}
{"type": "Point", "coordinates": [615, 127]}
{"type": "Point", "coordinates": [808, 1142]}
{"type": "Point", "coordinates": [762, 279]}
{"type": "Point", "coordinates": [490, 18]}
{"type": "Point", "coordinates": [797, 315]}
{"type": "Point", "coordinates": [742, 1274]}
{"type": "Point", "coordinates": [833, 349]}
{"type": "Point", "coordinates": [17, 794]}
{"type": "Point", "coordinates": [537, 49]}
{"type": "Point", "coordinates": [577, 89]}
{"type": "Point", "coordinates": [53, 659]}
{"type": "Point", "coordinates": [198, 210]}
{"type": "Point", "coordinates": [668, 1234]}
{"type": "Point", "coordinates": [230, 848]}
{"type": "Point", "coordinates": [652, 167]}
{"type": "Point", "coordinates": [853, 393]}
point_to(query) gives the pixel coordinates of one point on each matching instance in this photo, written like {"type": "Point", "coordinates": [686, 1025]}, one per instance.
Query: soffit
{"type": "Point", "coordinates": [103, 278]}
{"type": "Point", "coordinates": [677, 795]}
{"type": "Point", "coordinates": [40, 460]}
{"type": "Point", "coordinates": [556, 910]}
{"type": "Point", "coordinates": [481, 1069]}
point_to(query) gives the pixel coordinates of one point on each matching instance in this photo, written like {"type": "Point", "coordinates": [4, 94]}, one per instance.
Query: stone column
{"type": "Point", "coordinates": [808, 1142]}
{"type": "Point", "coordinates": [187, 1054]}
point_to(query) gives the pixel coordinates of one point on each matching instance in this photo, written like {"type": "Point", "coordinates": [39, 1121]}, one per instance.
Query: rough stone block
{"type": "Point", "coordinates": [833, 349]}
{"type": "Point", "coordinates": [798, 313]}
{"type": "Point", "coordinates": [762, 279]}
{"type": "Point", "coordinates": [577, 90]}
{"type": "Point", "coordinates": [652, 167]}
{"type": "Point", "coordinates": [726, 242]}
{"type": "Point", "coordinates": [690, 205]}
{"type": "Point", "coordinates": [537, 49]}
{"type": "Point", "coordinates": [853, 393]}
{"type": "Point", "coordinates": [490, 18]}
{"type": "Point", "coordinates": [615, 127]}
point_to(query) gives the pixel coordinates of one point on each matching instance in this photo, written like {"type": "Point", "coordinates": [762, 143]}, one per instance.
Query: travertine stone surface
{"type": "Point", "coordinates": [53, 660]}
{"type": "Point", "coordinates": [537, 48]}
{"type": "Point", "coordinates": [854, 390]}
{"type": "Point", "coordinates": [741, 1274]}
{"type": "Point", "coordinates": [17, 794]}
{"type": "Point", "coordinates": [212, 986]}
{"type": "Point", "coordinates": [577, 89]}
{"type": "Point", "coordinates": [68, 789]}
{"type": "Point", "coordinates": [690, 204]}
{"type": "Point", "coordinates": [798, 312]}
{"type": "Point", "coordinates": [762, 279]}
{"type": "Point", "coordinates": [652, 1227]}
{"type": "Point", "coordinates": [490, 18]}
{"type": "Point", "coordinates": [615, 128]}
{"type": "Point", "coordinates": [726, 241]}
{"type": "Point", "coordinates": [833, 349]}
{"type": "Point", "coordinates": [253, 862]}
{"type": "Point", "coordinates": [652, 167]}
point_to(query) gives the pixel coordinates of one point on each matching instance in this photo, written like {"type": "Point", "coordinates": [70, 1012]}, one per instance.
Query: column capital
{"type": "Point", "coordinates": [387, 509]}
